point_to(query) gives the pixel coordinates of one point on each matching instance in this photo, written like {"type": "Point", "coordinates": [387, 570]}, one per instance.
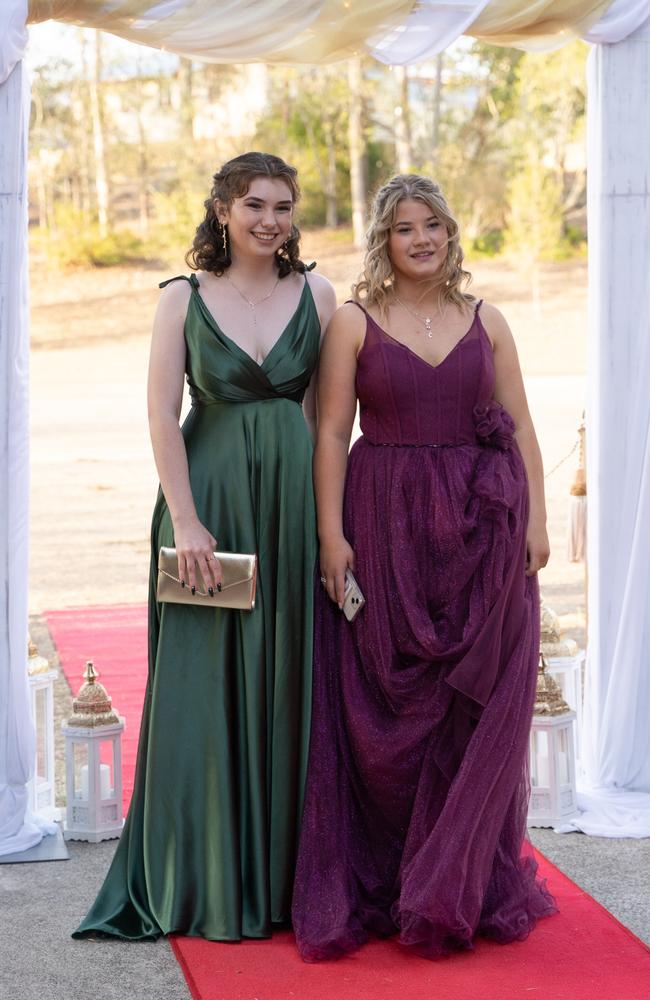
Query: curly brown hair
{"type": "Point", "coordinates": [375, 285]}
{"type": "Point", "coordinates": [233, 181]}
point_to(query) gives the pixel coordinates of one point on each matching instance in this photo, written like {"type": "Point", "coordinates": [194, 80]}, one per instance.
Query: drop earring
{"type": "Point", "coordinates": [224, 239]}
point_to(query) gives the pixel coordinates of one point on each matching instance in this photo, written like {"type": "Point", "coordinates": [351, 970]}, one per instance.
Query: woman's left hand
{"type": "Point", "coordinates": [538, 548]}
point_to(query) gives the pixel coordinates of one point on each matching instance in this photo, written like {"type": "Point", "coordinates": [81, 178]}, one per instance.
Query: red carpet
{"type": "Point", "coordinates": [581, 954]}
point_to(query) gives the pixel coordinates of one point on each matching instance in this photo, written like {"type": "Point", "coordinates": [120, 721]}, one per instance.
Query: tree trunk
{"type": "Point", "coordinates": [186, 80]}
{"type": "Point", "coordinates": [41, 196]}
{"type": "Point", "coordinates": [437, 101]}
{"type": "Point", "coordinates": [357, 167]}
{"type": "Point", "coordinates": [331, 208]}
{"type": "Point", "coordinates": [97, 116]}
{"type": "Point", "coordinates": [403, 144]}
{"type": "Point", "coordinates": [81, 112]}
{"type": "Point", "coordinates": [143, 165]}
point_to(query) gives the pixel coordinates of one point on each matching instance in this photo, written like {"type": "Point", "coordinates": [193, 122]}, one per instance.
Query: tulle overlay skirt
{"type": "Point", "coordinates": [415, 810]}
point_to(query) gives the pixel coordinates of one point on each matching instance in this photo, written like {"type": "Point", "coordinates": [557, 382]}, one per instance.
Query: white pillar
{"type": "Point", "coordinates": [18, 831]}
{"type": "Point", "coordinates": [616, 736]}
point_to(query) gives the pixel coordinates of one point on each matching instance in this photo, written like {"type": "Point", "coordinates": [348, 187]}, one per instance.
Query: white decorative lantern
{"type": "Point", "coordinates": [93, 764]}
{"type": "Point", "coordinates": [41, 787]}
{"type": "Point", "coordinates": [564, 662]}
{"type": "Point", "coordinates": [552, 757]}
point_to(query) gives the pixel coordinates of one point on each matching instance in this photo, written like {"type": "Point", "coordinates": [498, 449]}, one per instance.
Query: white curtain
{"type": "Point", "coordinates": [619, 21]}
{"type": "Point", "coordinates": [313, 31]}
{"type": "Point", "coordinates": [13, 35]}
{"type": "Point", "coordinates": [430, 29]}
{"type": "Point", "coordinates": [18, 829]}
{"type": "Point", "coordinates": [615, 788]}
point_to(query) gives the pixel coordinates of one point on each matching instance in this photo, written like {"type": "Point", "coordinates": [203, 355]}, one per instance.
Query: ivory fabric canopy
{"type": "Point", "coordinates": [395, 31]}
{"type": "Point", "coordinates": [314, 31]}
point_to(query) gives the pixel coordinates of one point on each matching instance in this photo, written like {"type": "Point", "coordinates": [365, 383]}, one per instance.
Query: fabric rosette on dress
{"type": "Point", "coordinates": [494, 425]}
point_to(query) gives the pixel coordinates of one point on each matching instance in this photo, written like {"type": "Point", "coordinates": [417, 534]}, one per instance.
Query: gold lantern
{"type": "Point", "coordinates": [93, 735]}
{"type": "Point", "coordinates": [564, 662]}
{"type": "Point", "coordinates": [552, 758]}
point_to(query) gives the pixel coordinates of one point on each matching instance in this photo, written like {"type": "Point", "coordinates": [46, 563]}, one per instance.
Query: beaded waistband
{"type": "Point", "coordinates": [397, 444]}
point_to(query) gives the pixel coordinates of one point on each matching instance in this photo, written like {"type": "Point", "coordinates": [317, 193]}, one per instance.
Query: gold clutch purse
{"type": "Point", "coordinates": [239, 580]}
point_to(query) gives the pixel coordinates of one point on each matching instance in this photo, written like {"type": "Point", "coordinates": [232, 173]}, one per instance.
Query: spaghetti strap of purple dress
{"type": "Point", "coordinates": [415, 811]}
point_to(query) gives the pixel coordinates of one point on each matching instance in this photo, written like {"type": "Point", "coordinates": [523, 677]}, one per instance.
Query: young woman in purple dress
{"type": "Point", "coordinates": [416, 801]}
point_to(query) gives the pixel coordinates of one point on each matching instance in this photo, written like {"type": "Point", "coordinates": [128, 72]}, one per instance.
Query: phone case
{"type": "Point", "coordinates": [353, 600]}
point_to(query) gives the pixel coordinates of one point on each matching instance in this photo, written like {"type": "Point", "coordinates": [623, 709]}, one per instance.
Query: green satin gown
{"type": "Point", "coordinates": [209, 844]}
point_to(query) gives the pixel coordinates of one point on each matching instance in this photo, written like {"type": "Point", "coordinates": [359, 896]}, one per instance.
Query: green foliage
{"type": "Point", "coordinates": [535, 225]}
{"type": "Point", "coordinates": [175, 216]}
{"type": "Point", "coordinates": [74, 243]}
{"type": "Point", "coordinates": [488, 244]}
{"type": "Point", "coordinates": [550, 91]}
{"type": "Point", "coordinates": [575, 238]}
{"type": "Point", "coordinates": [117, 247]}
{"type": "Point", "coordinates": [509, 129]}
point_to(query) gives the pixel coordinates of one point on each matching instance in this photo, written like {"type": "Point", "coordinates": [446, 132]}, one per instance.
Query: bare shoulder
{"type": "Point", "coordinates": [318, 282]}
{"type": "Point", "coordinates": [495, 323]}
{"type": "Point", "coordinates": [349, 324]}
{"type": "Point", "coordinates": [322, 289]}
{"type": "Point", "coordinates": [173, 300]}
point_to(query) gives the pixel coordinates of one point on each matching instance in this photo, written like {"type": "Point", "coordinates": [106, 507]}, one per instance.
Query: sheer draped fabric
{"type": "Point", "coordinates": [312, 31]}
{"type": "Point", "coordinates": [19, 830]}
{"type": "Point", "coordinates": [621, 19]}
{"type": "Point", "coordinates": [615, 790]}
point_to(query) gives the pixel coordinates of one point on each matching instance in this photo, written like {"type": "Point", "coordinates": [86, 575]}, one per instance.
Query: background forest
{"type": "Point", "coordinates": [124, 141]}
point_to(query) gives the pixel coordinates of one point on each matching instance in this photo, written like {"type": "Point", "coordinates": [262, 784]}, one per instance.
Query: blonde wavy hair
{"type": "Point", "coordinates": [375, 283]}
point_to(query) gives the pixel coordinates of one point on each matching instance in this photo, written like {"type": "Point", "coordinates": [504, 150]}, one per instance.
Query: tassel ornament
{"type": "Point", "coordinates": [577, 526]}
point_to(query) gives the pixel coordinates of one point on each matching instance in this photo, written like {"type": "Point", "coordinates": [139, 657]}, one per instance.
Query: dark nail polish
{"type": "Point", "coordinates": [193, 591]}
{"type": "Point", "coordinates": [219, 587]}
{"type": "Point", "coordinates": [211, 591]}
{"type": "Point", "coordinates": [182, 583]}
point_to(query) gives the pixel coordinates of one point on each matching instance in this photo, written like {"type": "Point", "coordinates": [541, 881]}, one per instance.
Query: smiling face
{"type": "Point", "coordinates": [260, 221]}
{"type": "Point", "coordinates": [418, 241]}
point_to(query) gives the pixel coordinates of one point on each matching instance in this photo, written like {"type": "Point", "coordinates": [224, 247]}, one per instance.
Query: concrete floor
{"type": "Point", "coordinates": [40, 904]}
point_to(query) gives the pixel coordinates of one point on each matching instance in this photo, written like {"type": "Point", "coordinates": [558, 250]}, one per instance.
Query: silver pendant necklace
{"type": "Point", "coordinates": [423, 319]}
{"type": "Point", "coordinates": [249, 302]}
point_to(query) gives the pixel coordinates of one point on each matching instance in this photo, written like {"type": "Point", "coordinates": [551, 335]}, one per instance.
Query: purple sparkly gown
{"type": "Point", "coordinates": [416, 797]}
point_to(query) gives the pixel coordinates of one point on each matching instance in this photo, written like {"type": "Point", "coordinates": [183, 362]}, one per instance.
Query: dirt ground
{"type": "Point", "coordinates": [93, 478]}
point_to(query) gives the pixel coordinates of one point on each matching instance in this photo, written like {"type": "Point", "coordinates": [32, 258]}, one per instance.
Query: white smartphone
{"type": "Point", "coordinates": [353, 600]}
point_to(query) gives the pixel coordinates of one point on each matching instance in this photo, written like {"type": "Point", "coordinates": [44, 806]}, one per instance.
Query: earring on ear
{"type": "Point", "coordinates": [224, 239]}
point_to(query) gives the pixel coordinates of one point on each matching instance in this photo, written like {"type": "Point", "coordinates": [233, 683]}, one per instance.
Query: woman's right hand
{"type": "Point", "coordinates": [335, 557]}
{"type": "Point", "coordinates": [195, 547]}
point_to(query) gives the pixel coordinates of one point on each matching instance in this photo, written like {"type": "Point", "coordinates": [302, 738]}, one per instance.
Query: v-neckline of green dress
{"type": "Point", "coordinates": [261, 365]}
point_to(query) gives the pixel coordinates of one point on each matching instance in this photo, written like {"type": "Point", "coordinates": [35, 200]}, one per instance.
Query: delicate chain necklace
{"type": "Point", "coordinates": [423, 319]}
{"type": "Point", "coordinates": [249, 302]}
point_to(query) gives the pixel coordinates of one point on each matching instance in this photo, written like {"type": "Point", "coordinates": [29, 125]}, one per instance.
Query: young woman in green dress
{"type": "Point", "coordinates": [209, 844]}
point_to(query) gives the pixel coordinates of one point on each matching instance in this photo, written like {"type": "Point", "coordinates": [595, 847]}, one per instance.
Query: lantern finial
{"type": "Point", "coordinates": [36, 664]}
{"type": "Point", "coordinates": [552, 644]}
{"type": "Point", "coordinates": [92, 707]}
{"type": "Point", "coordinates": [548, 697]}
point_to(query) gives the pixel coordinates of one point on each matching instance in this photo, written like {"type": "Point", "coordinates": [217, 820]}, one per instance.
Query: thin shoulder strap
{"type": "Point", "coordinates": [478, 306]}
{"type": "Point", "coordinates": [355, 303]}
{"type": "Point", "coordinates": [192, 278]}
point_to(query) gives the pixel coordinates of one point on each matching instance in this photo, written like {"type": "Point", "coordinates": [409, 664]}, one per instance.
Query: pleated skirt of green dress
{"type": "Point", "coordinates": [210, 840]}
